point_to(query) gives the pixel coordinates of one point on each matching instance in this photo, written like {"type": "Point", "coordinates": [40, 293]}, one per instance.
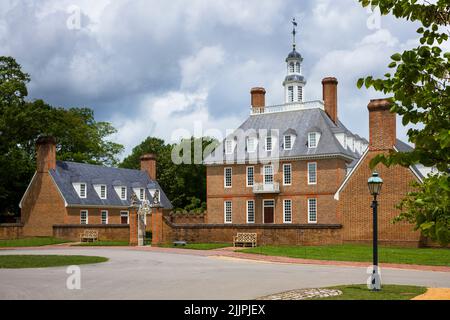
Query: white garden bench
{"type": "Point", "coordinates": [89, 236]}
{"type": "Point", "coordinates": [245, 239]}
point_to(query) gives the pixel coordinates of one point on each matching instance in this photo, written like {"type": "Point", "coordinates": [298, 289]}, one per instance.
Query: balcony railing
{"type": "Point", "coordinates": [266, 188]}
{"type": "Point", "coordinates": [289, 107]}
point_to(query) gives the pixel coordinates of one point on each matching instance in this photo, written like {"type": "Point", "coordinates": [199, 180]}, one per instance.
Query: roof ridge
{"type": "Point", "coordinates": [97, 165]}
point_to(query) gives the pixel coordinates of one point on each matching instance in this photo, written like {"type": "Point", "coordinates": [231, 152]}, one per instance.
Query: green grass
{"type": "Point", "coordinates": [31, 242]}
{"type": "Point", "coordinates": [102, 244]}
{"type": "Point", "coordinates": [44, 261]}
{"type": "Point", "coordinates": [388, 292]}
{"type": "Point", "coordinates": [359, 253]}
{"type": "Point", "coordinates": [200, 246]}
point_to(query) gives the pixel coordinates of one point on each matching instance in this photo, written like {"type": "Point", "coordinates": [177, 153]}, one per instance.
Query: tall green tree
{"type": "Point", "coordinates": [79, 136]}
{"type": "Point", "coordinates": [185, 183]}
{"type": "Point", "coordinates": [419, 86]}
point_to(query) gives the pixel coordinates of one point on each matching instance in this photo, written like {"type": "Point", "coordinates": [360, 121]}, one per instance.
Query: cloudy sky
{"type": "Point", "coordinates": [153, 67]}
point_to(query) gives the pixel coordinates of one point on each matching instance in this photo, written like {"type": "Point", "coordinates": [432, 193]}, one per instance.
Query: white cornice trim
{"type": "Point", "coordinates": [26, 191]}
{"type": "Point", "coordinates": [419, 178]}
{"type": "Point", "coordinates": [336, 195]}
{"type": "Point", "coordinates": [56, 185]}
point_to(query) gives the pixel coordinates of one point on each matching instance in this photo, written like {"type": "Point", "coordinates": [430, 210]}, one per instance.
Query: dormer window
{"type": "Point", "coordinates": [123, 193]}
{"type": "Point", "coordinates": [229, 146]}
{"type": "Point", "coordinates": [103, 191]}
{"type": "Point", "coordinates": [312, 140]}
{"type": "Point", "coordinates": [251, 145]}
{"type": "Point", "coordinates": [83, 192]}
{"type": "Point", "coordinates": [288, 142]}
{"type": "Point", "coordinates": [142, 194]}
{"type": "Point", "coordinates": [268, 143]}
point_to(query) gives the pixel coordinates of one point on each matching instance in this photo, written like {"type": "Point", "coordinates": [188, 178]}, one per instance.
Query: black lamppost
{"type": "Point", "coordinates": [375, 183]}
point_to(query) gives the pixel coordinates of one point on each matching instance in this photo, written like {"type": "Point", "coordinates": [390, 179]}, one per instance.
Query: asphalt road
{"type": "Point", "coordinates": [131, 274]}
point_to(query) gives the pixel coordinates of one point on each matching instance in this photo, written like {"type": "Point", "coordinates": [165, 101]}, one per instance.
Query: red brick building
{"type": "Point", "coordinates": [63, 193]}
{"type": "Point", "coordinates": [297, 164]}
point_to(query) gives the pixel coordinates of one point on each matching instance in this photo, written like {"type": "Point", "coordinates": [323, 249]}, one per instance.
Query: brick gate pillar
{"type": "Point", "coordinates": [157, 225]}
{"type": "Point", "coordinates": [133, 226]}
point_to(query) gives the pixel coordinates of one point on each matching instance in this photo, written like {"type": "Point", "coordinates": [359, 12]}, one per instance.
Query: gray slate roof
{"type": "Point", "coordinates": [299, 121]}
{"type": "Point", "coordinates": [67, 173]}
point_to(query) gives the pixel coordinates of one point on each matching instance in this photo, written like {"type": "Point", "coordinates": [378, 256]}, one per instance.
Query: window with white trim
{"type": "Point", "coordinates": [291, 67]}
{"type": "Point", "coordinates": [84, 217]}
{"type": "Point", "coordinates": [250, 176]}
{"type": "Point", "coordinates": [287, 142]}
{"type": "Point", "coordinates": [297, 67]}
{"type": "Point", "coordinates": [287, 174]}
{"type": "Point", "coordinates": [123, 193]}
{"type": "Point", "coordinates": [83, 193]}
{"type": "Point", "coordinates": [229, 146]}
{"type": "Point", "coordinates": [269, 143]}
{"type": "Point", "coordinates": [228, 177]}
{"type": "Point", "coordinates": [268, 174]}
{"type": "Point", "coordinates": [312, 210]}
{"type": "Point", "coordinates": [124, 217]}
{"type": "Point", "coordinates": [228, 211]}
{"type": "Point", "coordinates": [142, 194]}
{"type": "Point", "coordinates": [250, 211]}
{"type": "Point", "coordinates": [312, 140]}
{"type": "Point", "coordinates": [312, 173]}
{"type": "Point", "coordinates": [300, 93]}
{"type": "Point", "coordinates": [251, 145]}
{"type": "Point", "coordinates": [287, 211]}
{"type": "Point", "coordinates": [104, 214]}
{"type": "Point", "coordinates": [103, 194]}
{"type": "Point", "coordinates": [291, 94]}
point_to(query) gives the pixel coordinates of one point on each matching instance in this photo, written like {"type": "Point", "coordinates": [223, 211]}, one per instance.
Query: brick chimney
{"type": "Point", "coordinates": [258, 99]}
{"type": "Point", "coordinates": [148, 164]}
{"type": "Point", "coordinates": [382, 125]}
{"type": "Point", "coordinates": [45, 154]}
{"type": "Point", "coordinates": [330, 97]}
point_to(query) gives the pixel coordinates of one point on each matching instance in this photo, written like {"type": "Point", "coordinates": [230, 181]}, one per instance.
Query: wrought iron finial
{"type": "Point", "coordinates": [294, 32]}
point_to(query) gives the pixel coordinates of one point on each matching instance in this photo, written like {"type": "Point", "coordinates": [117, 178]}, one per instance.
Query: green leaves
{"type": "Point", "coordinates": [419, 83]}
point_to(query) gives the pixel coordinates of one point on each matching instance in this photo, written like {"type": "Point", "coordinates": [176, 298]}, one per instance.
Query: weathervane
{"type": "Point", "coordinates": [294, 31]}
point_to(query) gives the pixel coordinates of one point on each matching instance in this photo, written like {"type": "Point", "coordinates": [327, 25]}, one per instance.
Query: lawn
{"type": "Point", "coordinates": [41, 261]}
{"type": "Point", "coordinates": [31, 242]}
{"type": "Point", "coordinates": [200, 246]}
{"type": "Point", "coordinates": [102, 244]}
{"type": "Point", "coordinates": [388, 292]}
{"type": "Point", "coordinates": [359, 253]}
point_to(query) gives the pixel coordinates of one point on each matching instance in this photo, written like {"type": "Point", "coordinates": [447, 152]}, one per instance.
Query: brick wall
{"type": "Point", "coordinates": [307, 235]}
{"type": "Point", "coordinates": [356, 213]}
{"type": "Point", "coordinates": [106, 232]}
{"type": "Point", "coordinates": [42, 207]}
{"type": "Point", "coordinates": [187, 218]}
{"type": "Point", "coordinates": [10, 231]}
{"type": "Point", "coordinates": [330, 174]}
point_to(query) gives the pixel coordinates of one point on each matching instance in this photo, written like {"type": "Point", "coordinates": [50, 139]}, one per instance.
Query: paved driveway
{"type": "Point", "coordinates": [134, 274]}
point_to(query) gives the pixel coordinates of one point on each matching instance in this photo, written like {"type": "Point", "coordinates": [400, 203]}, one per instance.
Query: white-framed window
{"type": "Point", "coordinates": [268, 174]}
{"type": "Point", "coordinates": [312, 210]}
{"type": "Point", "coordinates": [287, 142]}
{"type": "Point", "coordinates": [312, 140]}
{"type": "Point", "coordinates": [312, 172]}
{"type": "Point", "coordinates": [251, 144]}
{"type": "Point", "coordinates": [297, 67]}
{"type": "Point", "coordinates": [142, 194]}
{"type": "Point", "coordinates": [103, 191]}
{"type": "Point", "coordinates": [84, 217]}
{"type": "Point", "coordinates": [83, 191]}
{"type": "Point", "coordinates": [250, 176]}
{"type": "Point", "coordinates": [228, 177]}
{"type": "Point", "coordinates": [228, 212]}
{"type": "Point", "coordinates": [104, 214]}
{"type": "Point", "coordinates": [300, 93]}
{"type": "Point", "coordinates": [123, 193]}
{"type": "Point", "coordinates": [287, 174]}
{"type": "Point", "coordinates": [287, 211]}
{"type": "Point", "coordinates": [124, 217]}
{"type": "Point", "coordinates": [269, 143]}
{"type": "Point", "coordinates": [291, 94]}
{"type": "Point", "coordinates": [291, 67]}
{"type": "Point", "coordinates": [229, 146]}
{"type": "Point", "coordinates": [250, 211]}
